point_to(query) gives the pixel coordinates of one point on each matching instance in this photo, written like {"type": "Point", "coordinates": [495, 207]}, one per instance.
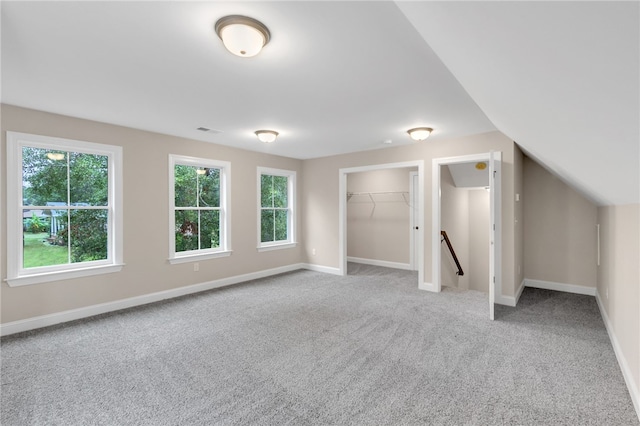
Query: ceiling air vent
{"type": "Point", "coordinates": [205, 129]}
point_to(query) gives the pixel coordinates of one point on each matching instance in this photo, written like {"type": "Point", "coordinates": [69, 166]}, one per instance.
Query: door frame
{"type": "Point", "coordinates": [413, 222]}
{"type": "Point", "coordinates": [342, 207]}
{"type": "Point", "coordinates": [495, 227]}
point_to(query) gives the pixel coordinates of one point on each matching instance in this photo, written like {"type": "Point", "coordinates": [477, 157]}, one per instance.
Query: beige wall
{"type": "Point", "coordinates": [146, 217]}
{"type": "Point", "coordinates": [559, 230]}
{"type": "Point", "coordinates": [379, 231]}
{"type": "Point", "coordinates": [619, 279]}
{"type": "Point", "coordinates": [321, 188]}
{"type": "Point", "coordinates": [146, 210]}
{"type": "Point", "coordinates": [479, 212]}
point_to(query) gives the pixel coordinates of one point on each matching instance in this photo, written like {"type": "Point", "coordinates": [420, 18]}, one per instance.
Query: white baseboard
{"type": "Point", "coordinates": [622, 361]}
{"type": "Point", "coordinates": [320, 268]}
{"type": "Point", "coordinates": [567, 288]}
{"type": "Point", "coordinates": [506, 300]}
{"type": "Point", "coordinates": [89, 311]}
{"type": "Point", "coordinates": [427, 287]}
{"type": "Point", "coordinates": [519, 291]}
{"type": "Point", "coordinates": [384, 263]}
{"type": "Point", "coordinates": [511, 300]}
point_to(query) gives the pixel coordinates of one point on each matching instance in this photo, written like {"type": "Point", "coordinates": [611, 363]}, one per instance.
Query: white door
{"type": "Point", "coordinates": [495, 228]}
{"type": "Point", "coordinates": [413, 219]}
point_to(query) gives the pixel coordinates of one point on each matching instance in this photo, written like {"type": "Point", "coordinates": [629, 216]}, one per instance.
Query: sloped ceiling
{"type": "Point", "coordinates": [560, 78]}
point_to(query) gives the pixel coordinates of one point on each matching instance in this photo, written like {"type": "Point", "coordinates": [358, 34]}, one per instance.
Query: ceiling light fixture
{"type": "Point", "coordinates": [241, 35]}
{"type": "Point", "coordinates": [420, 133]}
{"type": "Point", "coordinates": [266, 136]}
{"type": "Point", "coordinates": [481, 165]}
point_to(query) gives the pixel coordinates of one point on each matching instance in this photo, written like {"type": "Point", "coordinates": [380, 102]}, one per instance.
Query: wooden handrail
{"type": "Point", "coordinates": [453, 253]}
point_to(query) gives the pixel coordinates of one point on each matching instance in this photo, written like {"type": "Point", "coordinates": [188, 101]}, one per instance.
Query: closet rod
{"type": "Point", "coordinates": [371, 194]}
{"type": "Point", "coordinates": [377, 192]}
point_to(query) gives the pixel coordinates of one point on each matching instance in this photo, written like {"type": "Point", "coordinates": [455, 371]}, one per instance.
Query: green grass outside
{"type": "Point", "coordinates": [38, 251]}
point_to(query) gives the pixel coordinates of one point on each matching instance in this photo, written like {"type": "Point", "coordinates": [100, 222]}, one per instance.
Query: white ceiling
{"type": "Point", "coordinates": [466, 175]}
{"type": "Point", "coordinates": [160, 66]}
{"type": "Point", "coordinates": [559, 78]}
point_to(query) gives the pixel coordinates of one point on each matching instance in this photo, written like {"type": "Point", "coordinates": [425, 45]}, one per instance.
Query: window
{"type": "Point", "coordinates": [199, 211]}
{"type": "Point", "coordinates": [64, 208]}
{"type": "Point", "coordinates": [276, 218]}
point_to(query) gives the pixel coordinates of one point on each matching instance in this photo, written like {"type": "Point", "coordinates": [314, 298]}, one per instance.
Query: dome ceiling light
{"type": "Point", "coordinates": [419, 133]}
{"type": "Point", "coordinates": [266, 136]}
{"type": "Point", "coordinates": [241, 35]}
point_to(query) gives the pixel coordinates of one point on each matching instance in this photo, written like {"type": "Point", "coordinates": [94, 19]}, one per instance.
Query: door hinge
{"type": "Point", "coordinates": [494, 279]}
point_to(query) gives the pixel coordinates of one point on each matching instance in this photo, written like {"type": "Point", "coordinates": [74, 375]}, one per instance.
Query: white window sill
{"type": "Point", "coordinates": [199, 256]}
{"type": "Point", "coordinates": [278, 246]}
{"type": "Point", "coordinates": [63, 275]}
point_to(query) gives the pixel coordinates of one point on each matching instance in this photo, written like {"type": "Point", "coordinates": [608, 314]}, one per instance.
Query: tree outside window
{"type": "Point", "coordinates": [76, 229]}
{"type": "Point", "coordinates": [275, 208]}
{"type": "Point", "coordinates": [276, 214]}
{"type": "Point", "coordinates": [199, 210]}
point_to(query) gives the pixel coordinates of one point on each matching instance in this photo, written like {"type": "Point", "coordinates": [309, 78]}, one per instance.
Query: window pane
{"type": "Point", "coordinates": [185, 186]}
{"type": "Point", "coordinates": [281, 221]}
{"type": "Point", "coordinates": [280, 191]}
{"type": "Point", "coordinates": [88, 235]}
{"type": "Point", "coordinates": [267, 220]}
{"type": "Point", "coordinates": [40, 247]}
{"type": "Point", "coordinates": [209, 229]}
{"type": "Point", "coordinates": [266, 193]}
{"type": "Point", "coordinates": [44, 177]}
{"type": "Point", "coordinates": [88, 176]}
{"type": "Point", "coordinates": [186, 230]}
{"type": "Point", "coordinates": [209, 183]}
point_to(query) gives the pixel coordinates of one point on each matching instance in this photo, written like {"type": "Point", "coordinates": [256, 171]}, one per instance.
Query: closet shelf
{"type": "Point", "coordinates": [405, 195]}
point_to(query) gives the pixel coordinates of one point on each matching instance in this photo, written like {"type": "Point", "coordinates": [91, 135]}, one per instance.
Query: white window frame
{"type": "Point", "coordinates": [291, 198]}
{"type": "Point", "coordinates": [19, 276]}
{"type": "Point", "coordinates": [225, 210]}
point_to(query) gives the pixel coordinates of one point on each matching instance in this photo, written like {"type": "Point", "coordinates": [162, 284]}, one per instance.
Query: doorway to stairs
{"type": "Point", "coordinates": [466, 223]}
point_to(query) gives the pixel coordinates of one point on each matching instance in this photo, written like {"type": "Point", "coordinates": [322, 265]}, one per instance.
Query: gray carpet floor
{"type": "Point", "coordinates": [306, 348]}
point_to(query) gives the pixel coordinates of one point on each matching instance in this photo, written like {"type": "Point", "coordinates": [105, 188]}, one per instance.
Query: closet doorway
{"type": "Point", "coordinates": [381, 216]}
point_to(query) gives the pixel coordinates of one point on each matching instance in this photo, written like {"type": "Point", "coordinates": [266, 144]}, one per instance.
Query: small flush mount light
{"type": "Point", "coordinates": [481, 165]}
{"type": "Point", "coordinates": [55, 156]}
{"type": "Point", "coordinates": [241, 35]}
{"type": "Point", "coordinates": [420, 133]}
{"type": "Point", "coordinates": [267, 136]}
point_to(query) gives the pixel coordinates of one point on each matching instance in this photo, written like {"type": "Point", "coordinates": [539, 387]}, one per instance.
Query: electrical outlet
{"type": "Point", "coordinates": [196, 267]}
{"type": "Point", "coordinates": [313, 252]}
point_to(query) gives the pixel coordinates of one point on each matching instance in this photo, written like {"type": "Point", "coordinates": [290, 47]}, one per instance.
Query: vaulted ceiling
{"type": "Point", "coordinates": [560, 78]}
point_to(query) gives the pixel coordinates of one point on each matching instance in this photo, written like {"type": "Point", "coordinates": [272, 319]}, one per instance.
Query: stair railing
{"type": "Point", "coordinates": [453, 253]}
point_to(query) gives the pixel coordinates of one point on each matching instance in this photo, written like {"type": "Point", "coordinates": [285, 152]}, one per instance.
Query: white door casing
{"type": "Point", "coordinates": [342, 207]}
